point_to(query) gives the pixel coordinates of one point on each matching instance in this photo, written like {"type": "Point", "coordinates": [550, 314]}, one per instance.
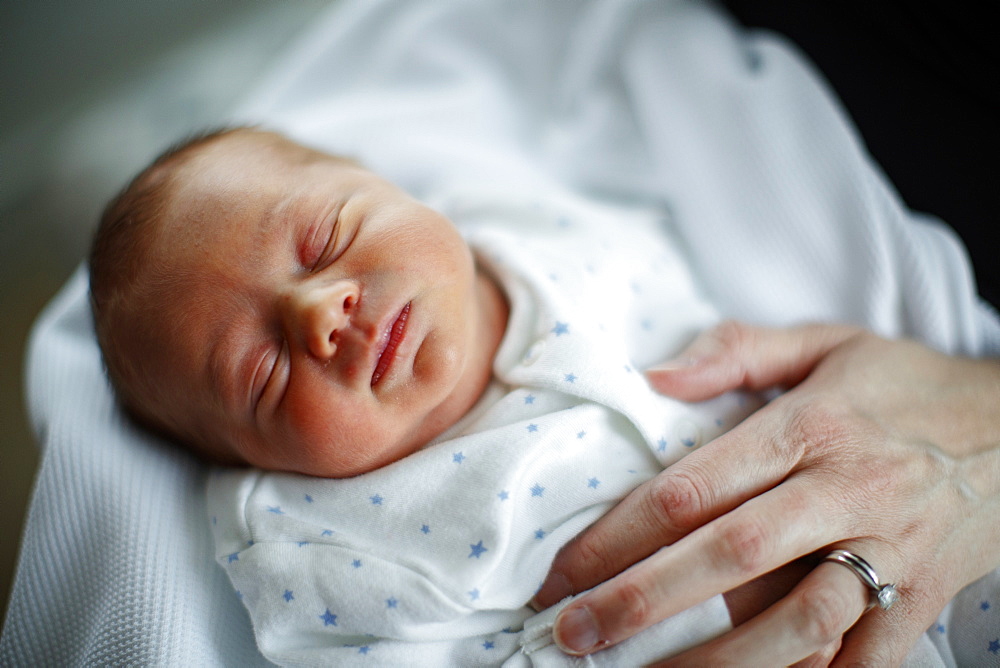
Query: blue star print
{"type": "Point", "coordinates": [581, 434]}
{"type": "Point", "coordinates": [985, 605]}
{"type": "Point", "coordinates": [376, 500]}
{"type": "Point", "coordinates": [309, 499]}
{"type": "Point", "coordinates": [235, 556]}
{"type": "Point", "coordinates": [458, 457]}
{"type": "Point", "coordinates": [560, 328]}
{"type": "Point", "coordinates": [474, 595]}
{"type": "Point", "coordinates": [391, 603]}
{"type": "Point", "coordinates": [477, 550]}
{"type": "Point", "coordinates": [537, 490]}
{"type": "Point", "coordinates": [593, 483]}
{"type": "Point", "coordinates": [426, 529]}
{"type": "Point", "coordinates": [661, 445]}
{"type": "Point", "coordinates": [488, 644]}
{"type": "Point", "coordinates": [532, 428]}
{"type": "Point", "coordinates": [995, 646]}
{"type": "Point", "coordinates": [570, 378]}
{"type": "Point", "coordinates": [276, 510]}
{"type": "Point", "coordinates": [539, 534]}
{"type": "Point", "coordinates": [503, 495]}
{"type": "Point", "coordinates": [327, 532]}
{"type": "Point", "coordinates": [288, 596]}
{"type": "Point", "coordinates": [530, 399]}
{"type": "Point", "coordinates": [329, 619]}
{"type": "Point", "coordinates": [356, 563]}
{"type": "Point", "coordinates": [364, 649]}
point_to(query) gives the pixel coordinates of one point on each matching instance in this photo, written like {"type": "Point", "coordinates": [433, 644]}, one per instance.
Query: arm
{"type": "Point", "coordinates": [887, 449]}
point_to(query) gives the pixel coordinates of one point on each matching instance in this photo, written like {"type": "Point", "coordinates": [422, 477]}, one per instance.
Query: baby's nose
{"type": "Point", "coordinates": [320, 311]}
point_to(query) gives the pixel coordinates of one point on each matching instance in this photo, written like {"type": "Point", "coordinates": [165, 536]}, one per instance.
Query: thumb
{"type": "Point", "coordinates": [736, 355]}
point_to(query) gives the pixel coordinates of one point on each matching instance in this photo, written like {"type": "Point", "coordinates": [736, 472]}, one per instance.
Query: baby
{"type": "Point", "coordinates": [270, 305]}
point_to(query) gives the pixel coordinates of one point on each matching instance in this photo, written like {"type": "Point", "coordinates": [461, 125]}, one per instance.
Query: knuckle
{"type": "Point", "coordinates": [594, 552]}
{"type": "Point", "coordinates": [817, 424]}
{"type": "Point", "coordinates": [733, 335]}
{"type": "Point", "coordinates": [633, 606]}
{"type": "Point", "coordinates": [743, 547]}
{"type": "Point", "coordinates": [675, 503]}
{"type": "Point", "coordinates": [823, 614]}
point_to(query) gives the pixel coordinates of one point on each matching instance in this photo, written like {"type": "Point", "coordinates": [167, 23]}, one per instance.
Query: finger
{"type": "Point", "coordinates": [707, 483]}
{"type": "Point", "coordinates": [822, 658]}
{"type": "Point", "coordinates": [762, 534]}
{"type": "Point", "coordinates": [885, 637]}
{"type": "Point", "coordinates": [736, 355]}
{"type": "Point", "coordinates": [805, 626]}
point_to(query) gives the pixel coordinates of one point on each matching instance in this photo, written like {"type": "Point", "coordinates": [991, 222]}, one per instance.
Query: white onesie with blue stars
{"type": "Point", "coordinates": [432, 560]}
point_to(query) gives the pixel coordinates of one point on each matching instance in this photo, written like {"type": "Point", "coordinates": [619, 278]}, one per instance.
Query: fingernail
{"type": "Point", "coordinates": [677, 364]}
{"type": "Point", "coordinates": [576, 630]}
{"type": "Point", "coordinates": [555, 588]}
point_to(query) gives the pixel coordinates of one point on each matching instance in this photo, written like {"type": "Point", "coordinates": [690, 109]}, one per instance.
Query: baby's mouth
{"type": "Point", "coordinates": [392, 339]}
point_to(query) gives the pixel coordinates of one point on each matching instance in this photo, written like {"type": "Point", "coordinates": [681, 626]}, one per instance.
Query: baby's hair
{"type": "Point", "coordinates": [120, 255]}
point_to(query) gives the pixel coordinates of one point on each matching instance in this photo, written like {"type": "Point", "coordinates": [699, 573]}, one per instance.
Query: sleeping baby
{"type": "Point", "coordinates": [410, 421]}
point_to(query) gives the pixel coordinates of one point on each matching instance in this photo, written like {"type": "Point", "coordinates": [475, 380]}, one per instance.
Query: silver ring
{"type": "Point", "coordinates": [884, 595]}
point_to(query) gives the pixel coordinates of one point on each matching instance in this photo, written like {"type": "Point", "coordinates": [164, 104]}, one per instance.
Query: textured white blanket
{"type": "Point", "coordinates": [665, 103]}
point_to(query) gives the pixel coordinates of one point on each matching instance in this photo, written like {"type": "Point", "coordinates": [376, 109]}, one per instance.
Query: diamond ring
{"type": "Point", "coordinates": [882, 594]}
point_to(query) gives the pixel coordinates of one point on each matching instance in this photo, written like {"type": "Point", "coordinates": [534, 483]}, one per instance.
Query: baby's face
{"type": "Point", "coordinates": [323, 321]}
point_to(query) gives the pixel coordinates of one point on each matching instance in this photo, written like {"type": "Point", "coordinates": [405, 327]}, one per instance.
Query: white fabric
{"type": "Point", "coordinates": [433, 559]}
{"type": "Point", "coordinates": [664, 103]}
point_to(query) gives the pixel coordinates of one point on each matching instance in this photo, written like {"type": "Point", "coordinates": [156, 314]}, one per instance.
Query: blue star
{"type": "Point", "coordinates": [628, 369]}
{"type": "Point", "coordinates": [276, 510]}
{"type": "Point", "coordinates": [356, 563]}
{"type": "Point", "coordinates": [995, 646]}
{"type": "Point", "coordinates": [249, 543]}
{"type": "Point", "coordinates": [302, 542]}
{"type": "Point", "coordinates": [288, 596]}
{"type": "Point", "coordinates": [235, 556]}
{"type": "Point", "coordinates": [532, 427]}
{"type": "Point", "coordinates": [569, 378]}
{"type": "Point", "coordinates": [661, 445]}
{"type": "Point", "coordinates": [939, 628]}
{"type": "Point", "coordinates": [364, 649]}
{"type": "Point", "coordinates": [985, 605]}
{"type": "Point", "coordinates": [647, 324]}
{"type": "Point", "coordinates": [329, 619]}
{"type": "Point", "coordinates": [239, 594]}
{"type": "Point", "coordinates": [488, 644]}
{"type": "Point", "coordinates": [309, 499]}
{"type": "Point", "coordinates": [530, 399]}
{"type": "Point", "coordinates": [376, 500]}
{"type": "Point", "coordinates": [503, 495]}
{"type": "Point", "coordinates": [537, 490]}
{"type": "Point", "coordinates": [560, 328]}
{"type": "Point", "coordinates": [426, 529]}
{"type": "Point", "coordinates": [327, 532]}
{"type": "Point", "coordinates": [457, 457]}
{"type": "Point", "coordinates": [391, 603]}
{"type": "Point", "coordinates": [688, 442]}
{"type": "Point", "coordinates": [539, 534]}
{"type": "Point", "coordinates": [581, 434]}
{"type": "Point", "coordinates": [474, 595]}
{"type": "Point", "coordinates": [593, 483]}
{"type": "Point", "coordinates": [477, 550]}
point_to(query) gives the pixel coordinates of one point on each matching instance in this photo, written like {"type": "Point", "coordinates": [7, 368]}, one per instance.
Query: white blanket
{"type": "Point", "coordinates": [665, 103]}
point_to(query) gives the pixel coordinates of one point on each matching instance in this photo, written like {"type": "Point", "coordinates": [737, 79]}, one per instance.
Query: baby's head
{"type": "Point", "coordinates": [268, 304]}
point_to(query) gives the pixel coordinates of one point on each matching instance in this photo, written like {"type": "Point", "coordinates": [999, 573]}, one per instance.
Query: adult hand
{"type": "Point", "coordinates": [884, 448]}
